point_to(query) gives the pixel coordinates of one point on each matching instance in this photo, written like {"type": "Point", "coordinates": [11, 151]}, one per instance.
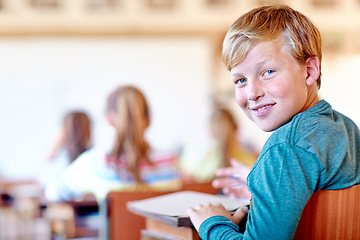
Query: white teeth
{"type": "Point", "coordinates": [262, 108]}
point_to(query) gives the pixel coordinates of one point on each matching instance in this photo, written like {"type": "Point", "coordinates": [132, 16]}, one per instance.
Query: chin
{"type": "Point", "coordinates": [267, 128]}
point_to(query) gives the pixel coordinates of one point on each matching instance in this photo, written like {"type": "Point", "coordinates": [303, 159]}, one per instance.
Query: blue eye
{"type": "Point", "coordinates": [240, 81]}
{"type": "Point", "coordinates": [268, 72]}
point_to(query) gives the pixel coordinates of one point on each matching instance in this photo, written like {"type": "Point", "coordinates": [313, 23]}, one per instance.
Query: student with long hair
{"type": "Point", "coordinates": [74, 138]}
{"type": "Point", "coordinates": [128, 164]}
{"type": "Point", "coordinates": [75, 135]}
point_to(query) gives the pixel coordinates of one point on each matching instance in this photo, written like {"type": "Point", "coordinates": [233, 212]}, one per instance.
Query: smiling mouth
{"type": "Point", "coordinates": [263, 107]}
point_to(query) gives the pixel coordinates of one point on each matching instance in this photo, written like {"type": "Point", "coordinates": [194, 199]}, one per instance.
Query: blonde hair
{"type": "Point", "coordinates": [223, 129]}
{"type": "Point", "coordinates": [129, 111]}
{"type": "Point", "coordinates": [268, 23]}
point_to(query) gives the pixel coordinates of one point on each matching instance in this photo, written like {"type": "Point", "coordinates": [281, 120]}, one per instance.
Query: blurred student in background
{"type": "Point", "coordinates": [201, 167]}
{"type": "Point", "coordinates": [128, 164]}
{"type": "Point", "coordinates": [73, 139]}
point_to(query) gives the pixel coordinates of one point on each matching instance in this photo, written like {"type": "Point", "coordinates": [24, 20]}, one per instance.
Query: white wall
{"type": "Point", "coordinates": [341, 84]}
{"type": "Point", "coordinates": [42, 78]}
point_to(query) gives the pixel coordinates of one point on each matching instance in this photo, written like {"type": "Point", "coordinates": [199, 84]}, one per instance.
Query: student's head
{"type": "Point", "coordinates": [77, 133]}
{"type": "Point", "coordinates": [223, 129]}
{"type": "Point", "coordinates": [128, 112]}
{"type": "Point", "coordinates": [274, 56]}
{"type": "Point", "coordinates": [222, 125]}
{"type": "Point", "coordinates": [266, 23]}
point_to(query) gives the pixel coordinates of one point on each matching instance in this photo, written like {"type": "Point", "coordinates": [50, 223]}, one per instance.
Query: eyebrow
{"type": "Point", "coordinates": [262, 62]}
{"type": "Point", "coordinates": [236, 75]}
{"type": "Point", "coordinates": [258, 65]}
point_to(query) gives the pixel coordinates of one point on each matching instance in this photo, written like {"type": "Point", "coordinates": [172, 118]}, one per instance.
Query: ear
{"type": "Point", "coordinates": [312, 70]}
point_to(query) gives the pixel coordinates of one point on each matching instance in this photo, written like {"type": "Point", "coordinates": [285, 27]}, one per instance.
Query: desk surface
{"type": "Point", "coordinates": [171, 208]}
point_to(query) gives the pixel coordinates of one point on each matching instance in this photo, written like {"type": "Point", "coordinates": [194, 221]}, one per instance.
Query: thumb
{"type": "Point", "coordinates": [240, 214]}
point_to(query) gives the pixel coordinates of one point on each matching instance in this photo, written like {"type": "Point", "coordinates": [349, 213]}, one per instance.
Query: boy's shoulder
{"type": "Point", "coordinates": [313, 122]}
{"type": "Point", "coordinates": [314, 126]}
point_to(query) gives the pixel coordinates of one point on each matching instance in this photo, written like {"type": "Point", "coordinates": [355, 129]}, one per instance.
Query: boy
{"type": "Point", "coordinates": [274, 57]}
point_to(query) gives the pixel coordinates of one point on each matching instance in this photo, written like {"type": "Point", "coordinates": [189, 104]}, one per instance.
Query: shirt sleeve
{"type": "Point", "coordinates": [219, 227]}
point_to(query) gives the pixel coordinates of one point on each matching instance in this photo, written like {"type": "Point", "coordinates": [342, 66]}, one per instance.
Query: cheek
{"type": "Point", "coordinates": [279, 90]}
{"type": "Point", "coordinates": [240, 98]}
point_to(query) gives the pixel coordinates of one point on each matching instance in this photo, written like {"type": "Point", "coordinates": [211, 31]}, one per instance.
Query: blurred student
{"type": "Point", "coordinates": [202, 166]}
{"type": "Point", "coordinates": [128, 164]}
{"type": "Point", "coordinates": [74, 138]}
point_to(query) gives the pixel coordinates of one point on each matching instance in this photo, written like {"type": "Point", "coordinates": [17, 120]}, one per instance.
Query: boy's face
{"type": "Point", "coordinates": [271, 86]}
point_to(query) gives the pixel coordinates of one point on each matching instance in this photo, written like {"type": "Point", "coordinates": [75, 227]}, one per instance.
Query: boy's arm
{"type": "Point", "coordinates": [200, 213]}
{"type": "Point", "coordinates": [281, 183]}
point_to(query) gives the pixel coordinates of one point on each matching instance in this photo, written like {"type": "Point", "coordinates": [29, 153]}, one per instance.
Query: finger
{"type": "Point", "coordinates": [197, 207]}
{"type": "Point", "coordinates": [222, 182]}
{"type": "Point", "coordinates": [190, 210]}
{"type": "Point", "coordinates": [240, 192]}
{"type": "Point", "coordinates": [240, 214]}
{"type": "Point", "coordinates": [241, 168]}
{"type": "Point", "coordinates": [235, 163]}
{"type": "Point", "coordinates": [223, 172]}
{"type": "Point", "coordinates": [219, 205]}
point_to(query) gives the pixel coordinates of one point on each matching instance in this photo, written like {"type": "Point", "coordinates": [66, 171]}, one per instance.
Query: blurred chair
{"type": "Point", "coordinates": [123, 224]}
{"type": "Point", "coordinates": [73, 219]}
{"type": "Point", "coordinates": [205, 187]}
{"type": "Point", "coordinates": [331, 214]}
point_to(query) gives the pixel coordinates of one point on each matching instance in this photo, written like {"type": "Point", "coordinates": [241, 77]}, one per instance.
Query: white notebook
{"type": "Point", "coordinates": [174, 205]}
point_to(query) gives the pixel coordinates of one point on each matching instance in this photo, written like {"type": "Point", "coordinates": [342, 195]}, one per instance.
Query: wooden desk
{"type": "Point", "coordinates": [124, 224]}
{"type": "Point", "coordinates": [166, 216]}
{"type": "Point", "coordinates": [163, 227]}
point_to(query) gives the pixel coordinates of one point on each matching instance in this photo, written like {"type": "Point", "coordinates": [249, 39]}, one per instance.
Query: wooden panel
{"type": "Point", "coordinates": [124, 224]}
{"type": "Point", "coordinates": [331, 214]}
{"type": "Point", "coordinates": [205, 187]}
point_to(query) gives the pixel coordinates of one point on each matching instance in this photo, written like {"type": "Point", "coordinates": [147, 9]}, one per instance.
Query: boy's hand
{"type": "Point", "coordinates": [232, 180]}
{"type": "Point", "coordinates": [237, 191]}
{"type": "Point", "coordinates": [237, 169]}
{"type": "Point", "coordinates": [200, 213]}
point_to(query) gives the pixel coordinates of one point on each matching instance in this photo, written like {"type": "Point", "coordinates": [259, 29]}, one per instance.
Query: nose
{"type": "Point", "coordinates": [255, 90]}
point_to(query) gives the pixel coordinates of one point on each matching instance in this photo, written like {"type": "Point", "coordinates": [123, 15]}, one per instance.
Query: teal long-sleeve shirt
{"type": "Point", "coordinates": [318, 149]}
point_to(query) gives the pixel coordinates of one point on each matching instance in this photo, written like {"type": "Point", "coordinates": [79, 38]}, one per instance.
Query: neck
{"type": "Point", "coordinates": [312, 98]}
